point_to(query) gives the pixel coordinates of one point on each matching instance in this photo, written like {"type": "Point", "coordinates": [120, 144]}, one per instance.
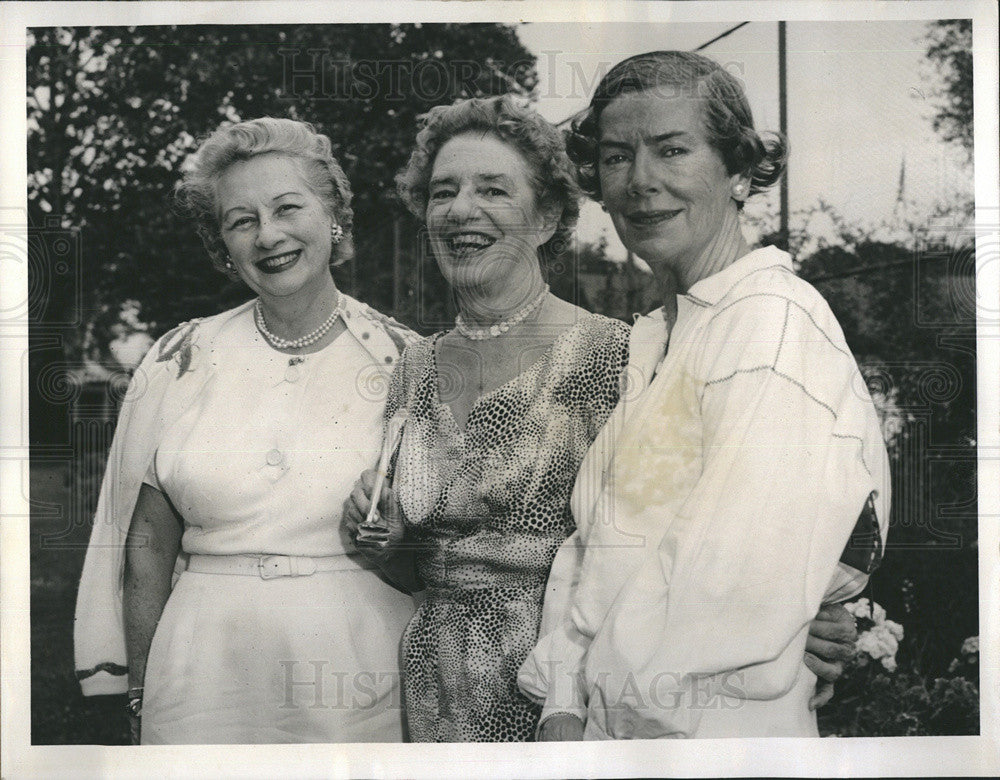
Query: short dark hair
{"type": "Point", "coordinates": [728, 119]}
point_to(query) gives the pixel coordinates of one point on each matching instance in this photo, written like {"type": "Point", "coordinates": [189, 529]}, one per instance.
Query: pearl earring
{"type": "Point", "coordinates": [738, 190]}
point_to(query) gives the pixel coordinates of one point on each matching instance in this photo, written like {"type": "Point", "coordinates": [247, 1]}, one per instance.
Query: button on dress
{"type": "Point", "coordinates": [261, 464]}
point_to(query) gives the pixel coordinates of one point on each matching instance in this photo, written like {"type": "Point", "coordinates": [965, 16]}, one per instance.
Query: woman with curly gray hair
{"type": "Point", "coordinates": [499, 411]}
{"type": "Point", "coordinates": [236, 448]}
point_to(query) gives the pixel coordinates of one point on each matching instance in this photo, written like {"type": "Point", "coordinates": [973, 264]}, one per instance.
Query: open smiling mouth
{"type": "Point", "coordinates": [646, 219]}
{"type": "Point", "coordinates": [467, 244]}
{"type": "Point", "coordinates": [275, 264]}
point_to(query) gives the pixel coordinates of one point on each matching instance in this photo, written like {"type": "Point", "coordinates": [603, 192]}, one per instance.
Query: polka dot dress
{"type": "Point", "coordinates": [489, 507]}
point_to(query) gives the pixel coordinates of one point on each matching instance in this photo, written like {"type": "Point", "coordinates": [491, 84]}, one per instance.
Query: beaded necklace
{"type": "Point", "coordinates": [497, 328]}
{"type": "Point", "coordinates": [304, 341]}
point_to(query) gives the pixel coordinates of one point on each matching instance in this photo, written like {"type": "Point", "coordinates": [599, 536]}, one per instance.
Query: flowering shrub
{"type": "Point", "coordinates": [893, 698]}
{"type": "Point", "coordinates": [967, 666]}
{"type": "Point", "coordinates": [878, 638]}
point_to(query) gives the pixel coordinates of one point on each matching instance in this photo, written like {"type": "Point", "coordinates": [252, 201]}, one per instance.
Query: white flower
{"type": "Point", "coordinates": [881, 641]}
{"type": "Point", "coordinates": [863, 608]}
{"type": "Point", "coordinates": [970, 645]}
{"type": "Point", "coordinates": [859, 608]}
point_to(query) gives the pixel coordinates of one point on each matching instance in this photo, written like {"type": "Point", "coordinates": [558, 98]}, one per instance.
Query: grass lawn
{"type": "Point", "coordinates": [59, 713]}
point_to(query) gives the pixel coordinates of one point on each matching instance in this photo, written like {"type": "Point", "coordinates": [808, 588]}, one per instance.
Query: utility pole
{"type": "Point", "coordinates": [783, 126]}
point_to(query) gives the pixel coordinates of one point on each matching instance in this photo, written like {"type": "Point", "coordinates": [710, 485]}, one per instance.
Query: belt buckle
{"type": "Point", "coordinates": [270, 566]}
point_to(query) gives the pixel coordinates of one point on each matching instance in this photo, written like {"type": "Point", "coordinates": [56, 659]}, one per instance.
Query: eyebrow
{"type": "Point", "coordinates": [226, 214]}
{"type": "Point", "coordinates": [488, 177]}
{"type": "Point", "coordinates": [440, 180]}
{"type": "Point", "coordinates": [499, 177]}
{"type": "Point", "coordinates": [654, 139]}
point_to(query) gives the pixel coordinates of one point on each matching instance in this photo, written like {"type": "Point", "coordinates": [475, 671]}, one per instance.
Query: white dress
{"type": "Point", "coordinates": [721, 505]}
{"type": "Point", "coordinates": [260, 464]}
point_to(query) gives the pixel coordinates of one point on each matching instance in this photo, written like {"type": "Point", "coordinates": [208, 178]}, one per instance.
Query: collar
{"type": "Point", "coordinates": [711, 290]}
{"type": "Point", "coordinates": [382, 337]}
{"type": "Point", "coordinates": [646, 348]}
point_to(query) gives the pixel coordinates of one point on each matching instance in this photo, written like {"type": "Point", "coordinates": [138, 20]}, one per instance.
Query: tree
{"type": "Point", "coordinates": [951, 51]}
{"type": "Point", "coordinates": [113, 113]}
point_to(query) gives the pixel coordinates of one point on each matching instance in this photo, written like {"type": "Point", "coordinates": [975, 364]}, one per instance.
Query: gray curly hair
{"type": "Point", "coordinates": [553, 176]}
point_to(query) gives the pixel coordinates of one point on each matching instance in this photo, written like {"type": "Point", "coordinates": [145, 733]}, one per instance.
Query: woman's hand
{"type": "Point", "coordinates": [356, 510]}
{"type": "Point", "coordinates": [561, 727]}
{"type": "Point", "coordinates": [830, 644]}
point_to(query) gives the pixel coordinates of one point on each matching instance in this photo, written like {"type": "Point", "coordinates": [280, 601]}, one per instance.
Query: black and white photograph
{"type": "Point", "coordinates": [621, 377]}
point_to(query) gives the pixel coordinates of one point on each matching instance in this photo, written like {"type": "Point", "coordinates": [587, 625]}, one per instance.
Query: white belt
{"type": "Point", "coordinates": [267, 567]}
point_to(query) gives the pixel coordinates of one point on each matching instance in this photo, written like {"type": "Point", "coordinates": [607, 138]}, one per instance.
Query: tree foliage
{"type": "Point", "coordinates": [113, 113]}
{"type": "Point", "coordinates": [951, 51]}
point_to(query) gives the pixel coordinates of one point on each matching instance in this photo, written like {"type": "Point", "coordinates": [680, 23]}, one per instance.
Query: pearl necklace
{"type": "Point", "coordinates": [492, 331]}
{"type": "Point", "coordinates": [304, 341]}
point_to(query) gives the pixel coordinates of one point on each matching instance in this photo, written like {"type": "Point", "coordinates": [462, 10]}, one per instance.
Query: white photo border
{"type": "Point", "coordinates": [862, 756]}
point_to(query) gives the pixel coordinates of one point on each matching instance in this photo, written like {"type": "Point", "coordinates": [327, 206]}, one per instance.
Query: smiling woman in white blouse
{"type": "Point", "coordinates": [239, 440]}
{"type": "Point", "coordinates": [742, 482]}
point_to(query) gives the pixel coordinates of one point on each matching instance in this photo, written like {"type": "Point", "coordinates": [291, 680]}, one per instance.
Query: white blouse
{"type": "Point", "coordinates": [265, 457]}
{"type": "Point", "coordinates": [713, 511]}
{"type": "Point", "coordinates": [255, 409]}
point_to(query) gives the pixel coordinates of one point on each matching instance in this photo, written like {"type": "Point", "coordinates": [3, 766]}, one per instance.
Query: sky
{"type": "Point", "coordinates": [860, 99]}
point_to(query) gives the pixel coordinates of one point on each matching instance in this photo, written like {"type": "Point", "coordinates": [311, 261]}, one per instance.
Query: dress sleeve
{"type": "Point", "coordinates": [156, 394]}
{"type": "Point", "coordinates": [791, 454]}
{"type": "Point", "coordinates": [605, 360]}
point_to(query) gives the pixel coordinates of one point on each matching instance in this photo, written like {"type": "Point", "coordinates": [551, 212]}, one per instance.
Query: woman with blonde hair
{"type": "Point", "coordinates": [238, 442]}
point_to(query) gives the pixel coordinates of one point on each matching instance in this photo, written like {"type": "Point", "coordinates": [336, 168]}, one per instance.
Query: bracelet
{"type": "Point", "coordinates": [134, 706]}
